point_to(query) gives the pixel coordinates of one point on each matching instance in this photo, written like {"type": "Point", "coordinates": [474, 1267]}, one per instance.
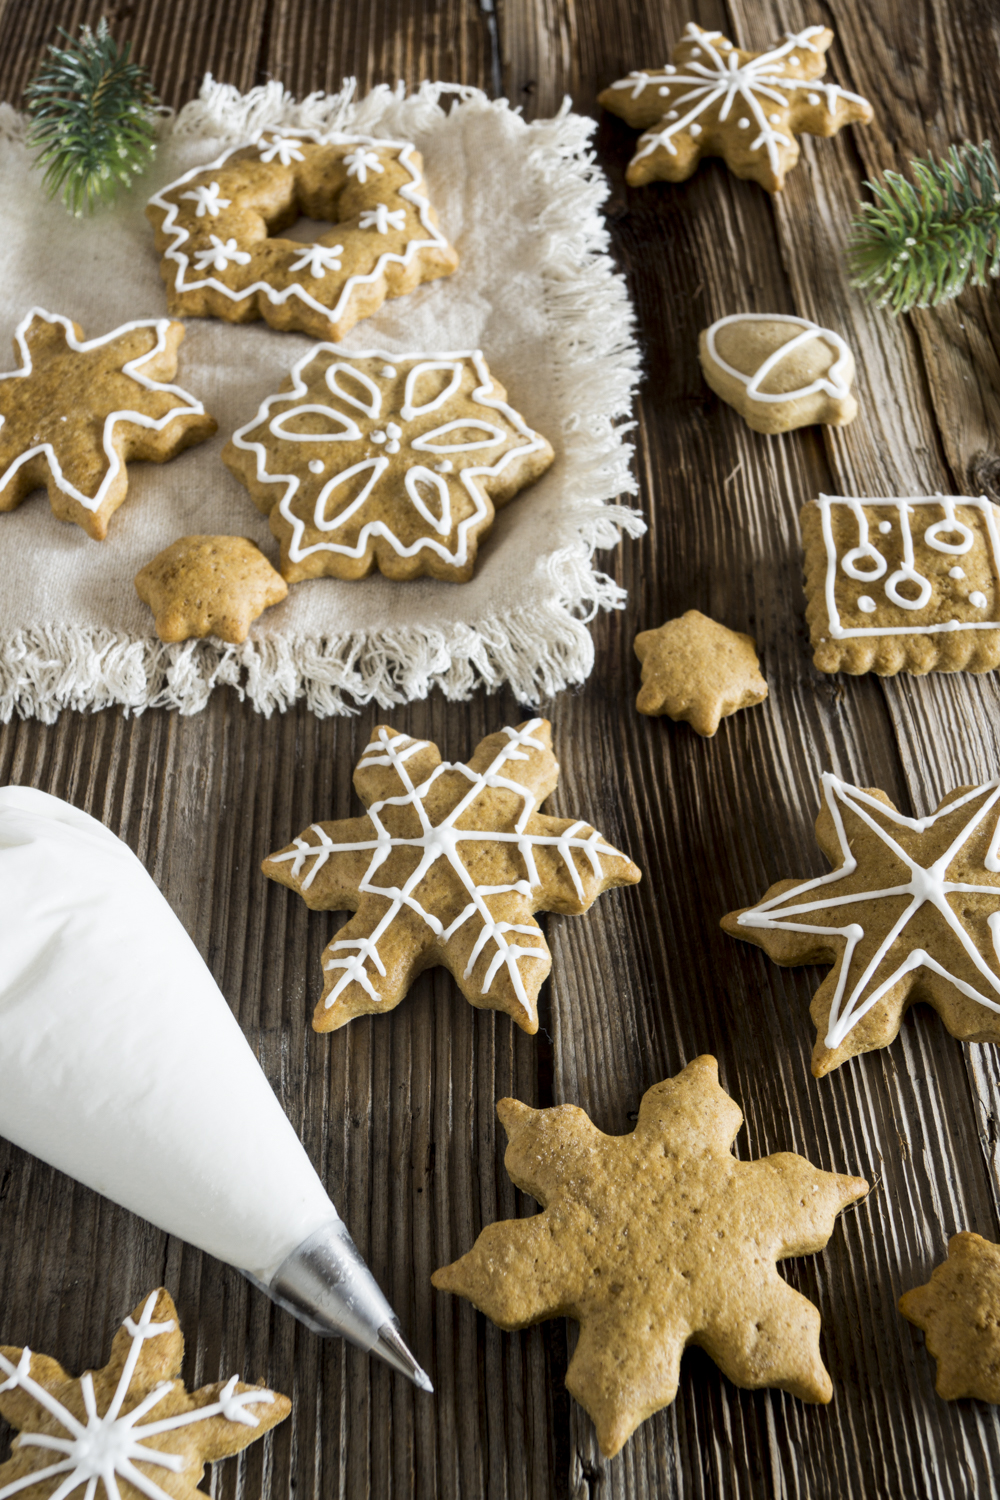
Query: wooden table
{"type": "Point", "coordinates": [399, 1114]}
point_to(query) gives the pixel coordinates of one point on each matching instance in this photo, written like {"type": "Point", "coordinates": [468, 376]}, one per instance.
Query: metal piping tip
{"type": "Point", "coordinates": [390, 1347]}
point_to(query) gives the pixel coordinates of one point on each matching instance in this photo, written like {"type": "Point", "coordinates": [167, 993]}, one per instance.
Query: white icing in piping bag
{"type": "Point", "coordinates": [122, 1065]}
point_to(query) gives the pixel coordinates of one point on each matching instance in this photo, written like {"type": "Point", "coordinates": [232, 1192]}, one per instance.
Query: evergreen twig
{"type": "Point", "coordinates": [923, 242]}
{"type": "Point", "coordinates": [91, 111]}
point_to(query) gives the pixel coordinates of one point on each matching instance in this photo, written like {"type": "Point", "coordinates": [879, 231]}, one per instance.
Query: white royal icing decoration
{"type": "Point", "coordinates": [221, 255]}
{"type": "Point", "coordinates": [284, 148]}
{"type": "Point", "coordinates": [441, 841]}
{"type": "Point", "coordinates": [834, 381]}
{"type": "Point", "coordinates": [110, 1444]}
{"type": "Point", "coordinates": [381, 218]}
{"type": "Point", "coordinates": [318, 259]}
{"type": "Point", "coordinates": [359, 163]}
{"type": "Point", "coordinates": [133, 369]}
{"type": "Point", "coordinates": [927, 884]}
{"type": "Point", "coordinates": [207, 199]}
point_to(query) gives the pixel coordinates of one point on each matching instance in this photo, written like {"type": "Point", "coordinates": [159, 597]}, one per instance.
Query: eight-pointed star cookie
{"type": "Point", "coordinates": [693, 668]}
{"type": "Point", "coordinates": [131, 1427]}
{"type": "Point", "coordinates": [747, 107]}
{"type": "Point", "coordinates": [75, 411]}
{"type": "Point", "coordinates": [959, 1312]}
{"type": "Point", "coordinates": [391, 461]}
{"type": "Point", "coordinates": [447, 867]}
{"type": "Point", "coordinates": [909, 912]}
{"type": "Point", "coordinates": [653, 1241]}
{"type": "Point", "coordinates": [209, 585]}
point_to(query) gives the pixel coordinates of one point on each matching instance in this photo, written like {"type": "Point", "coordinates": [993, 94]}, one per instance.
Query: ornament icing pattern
{"type": "Point", "coordinates": [835, 382]}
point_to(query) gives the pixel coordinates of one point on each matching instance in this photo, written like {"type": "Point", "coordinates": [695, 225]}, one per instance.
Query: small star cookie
{"type": "Point", "coordinates": [693, 668]}
{"type": "Point", "coordinates": [75, 411]}
{"type": "Point", "coordinates": [747, 107]}
{"type": "Point", "coordinates": [447, 867]}
{"type": "Point", "coordinates": [653, 1241]}
{"type": "Point", "coordinates": [779, 372]}
{"type": "Point", "coordinates": [959, 1311]}
{"type": "Point", "coordinates": [209, 585]}
{"type": "Point", "coordinates": [907, 913]}
{"type": "Point", "coordinates": [130, 1427]}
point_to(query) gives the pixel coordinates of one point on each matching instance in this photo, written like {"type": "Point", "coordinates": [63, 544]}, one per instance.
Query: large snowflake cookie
{"type": "Point", "coordinates": [395, 462]}
{"type": "Point", "coordinates": [959, 1312]}
{"type": "Point", "coordinates": [747, 107]}
{"type": "Point", "coordinates": [77, 409]}
{"type": "Point", "coordinates": [219, 227]}
{"type": "Point", "coordinates": [909, 912]}
{"type": "Point", "coordinates": [653, 1241]}
{"type": "Point", "coordinates": [778, 371]}
{"type": "Point", "coordinates": [908, 585]}
{"type": "Point", "coordinates": [131, 1427]}
{"type": "Point", "coordinates": [447, 867]}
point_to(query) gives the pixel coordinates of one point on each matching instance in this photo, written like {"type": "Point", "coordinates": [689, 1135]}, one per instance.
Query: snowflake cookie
{"type": "Point", "coordinates": [747, 107]}
{"type": "Point", "coordinates": [219, 228]}
{"type": "Point", "coordinates": [959, 1312]}
{"type": "Point", "coordinates": [908, 585]}
{"type": "Point", "coordinates": [653, 1241]}
{"type": "Point", "coordinates": [130, 1427]}
{"type": "Point", "coordinates": [76, 410]}
{"type": "Point", "coordinates": [209, 585]}
{"type": "Point", "coordinates": [395, 462]}
{"type": "Point", "coordinates": [908, 912]}
{"type": "Point", "coordinates": [447, 867]}
{"type": "Point", "coordinates": [693, 668]}
{"type": "Point", "coordinates": [779, 372]}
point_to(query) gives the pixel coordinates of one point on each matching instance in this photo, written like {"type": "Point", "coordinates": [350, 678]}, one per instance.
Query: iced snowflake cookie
{"type": "Point", "coordinates": [130, 1427]}
{"type": "Point", "coordinates": [747, 107]}
{"type": "Point", "coordinates": [653, 1241]}
{"type": "Point", "coordinates": [909, 585]}
{"type": "Point", "coordinates": [447, 867]}
{"type": "Point", "coordinates": [395, 462]}
{"type": "Point", "coordinates": [907, 913]}
{"type": "Point", "coordinates": [76, 410]}
{"type": "Point", "coordinates": [209, 585]}
{"type": "Point", "coordinates": [959, 1312]}
{"type": "Point", "coordinates": [219, 227]}
{"type": "Point", "coordinates": [779, 372]}
{"type": "Point", "coordinates": [693, 668]}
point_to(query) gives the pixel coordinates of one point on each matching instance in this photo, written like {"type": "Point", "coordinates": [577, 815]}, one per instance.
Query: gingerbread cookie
{"type": "Point", "coordinates": [76, 410]}
{"type": "Point", "coordinates": [909, 585]}
{"type": "Point", "coordinates": [447, 867]}
{"type": "Point", "coordinates": [779, 372]}
{"type": "Point", "coordinates": [395, 462]}
{"type": "Point", "coordinates": [130, 1427]}
{"type": "Point", "coordinates": [907, 913]}
{"type": "Point", "coordinates": [219, 227]}
{"type": "Point", "coordinates": [747, 107]}
{"type": "Point", "coordinates": [693, 668]}
{"type": "Point", "coordinates": [959, 1312]}
{"type": "Point", "coordinates": [209, 585]}
{"type": "Point", "coordinates": [653, 1241]}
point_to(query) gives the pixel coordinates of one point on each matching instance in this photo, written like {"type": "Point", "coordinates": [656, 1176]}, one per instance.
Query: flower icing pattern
{"type": "Point", "coordinates": [220, 255]}
{"type": "Point", "coordinates": [283, 148]}
{"type": "Point", "coordinates": [360, 162]}
{"type": "Point", "coordinates": [382, 218]}
{"type": "Point", "coordinates": [318, 259]}
{"type": "Point", "coordinates": [206, 198]}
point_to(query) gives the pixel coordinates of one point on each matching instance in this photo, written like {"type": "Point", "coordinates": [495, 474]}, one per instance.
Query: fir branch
{"type": "Point", "coordinates": [923, 242]}
{"type": "Point", "coordinates": [91, 112]}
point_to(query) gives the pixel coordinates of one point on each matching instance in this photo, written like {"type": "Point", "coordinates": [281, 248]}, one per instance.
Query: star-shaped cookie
{"type": "Point", "coordinates": [747, 107]}
{"type": "Point", "coordinates": [130, 1427]}
{"type": "Point", "coordinates": [653, 1241]}
{"type": "Point", "coordinates": [447, 867]}
{"type": "Point", "coordinates": [693, 668]}
{"type": "Point", "coordinates": [76, 410]}
{"type": "Point", "coordinates": [209, 585]}
{"type": "Point", "coordinates": [959, 1312]}
{"type": "Point", "coordinates": [908, 913]}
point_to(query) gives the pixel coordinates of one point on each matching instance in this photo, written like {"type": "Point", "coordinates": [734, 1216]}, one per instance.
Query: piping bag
{"type": "Point", "coordinates": [122, 1065]}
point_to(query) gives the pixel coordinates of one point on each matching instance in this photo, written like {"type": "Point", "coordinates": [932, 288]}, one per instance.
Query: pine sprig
{"type": "Point", "coordinates": [923, 242]}
{"type": "Point", "coordinates": [91, 112]}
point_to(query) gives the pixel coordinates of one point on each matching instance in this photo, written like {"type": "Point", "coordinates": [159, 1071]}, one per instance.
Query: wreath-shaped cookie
{"type": "Point", "coordinates": [219, 227]}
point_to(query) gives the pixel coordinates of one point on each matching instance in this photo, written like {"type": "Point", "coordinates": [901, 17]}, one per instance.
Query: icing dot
{"type": "Point", "coordinates": [744, 124]}
{"type": "Point", "coordinates": [695, 51]}
{"type": "Point", "coordinates": [392, 447]}
{"type": "Point", "coordinates": [866, 604]}
{"type": "Point", "coordinates": [978, 600]}
{"type": "Point", "coordinates": [444, 467]}
{"type": "Point", "coordinates": [671, 114]}
{"type": "Point", "coordinates": [696, 130]}
{"type": "Point", "coordinates": [956, 572]}
{"type": "Point", "coordinates": [813, 98]}
{"type": "Point", "coordinates": [388, 371]}
{"type": "Point", "coordinates": [664, 92]}
{"type": "Point", "coordinates": [670, 68]}
{"type": "Point", "coordinates": [378, 437]}
{"type": "Point", "coordinates": [885, 527]}
{"type": "Point", "coordinates": [775, 119]}
{"type": "Point", "coordinates": [316, 466]}
{"type": "Point", "coordinates": [794, 61]}
{"type": "Point", "coordinates": [392, 431]}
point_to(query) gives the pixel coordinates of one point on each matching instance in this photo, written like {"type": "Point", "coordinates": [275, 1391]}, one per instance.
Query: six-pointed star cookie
{"type": "Point", "coordinates": [209, 585]}
{"type": "Point", "coordinates": [132, 1426]}
{"type": "Point", "coordinates": [75, 411]}
{"type": "Point", "coordinates": [447, 868]}
{"type": "Point", "coordinates": [909, 912]}
{"type": "Point", "coordinates": [747, 107]}
{"type": "Point", "coordinates": [959, 1312]}
{"type": "Point", "coordinates": [391, 461]}
{"type": "Point", "coordinates": [653, 1241]}
{"type": "Point", "coordinates": [693, 668]}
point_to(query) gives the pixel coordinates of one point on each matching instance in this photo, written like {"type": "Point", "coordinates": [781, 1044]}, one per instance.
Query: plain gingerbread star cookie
{"type": "Point", "coordinates": [653, 1241]}
{"type": "Point", "coordinates": [747, 107]}
{"type": "Point", "coordinates": [131, 1427]}
{"type": "Point", "coordinates": [76, 410]}
{"type": "Point", "coordinates": [693, 668]}
{"type": "Point", "coordinates": [959, 1312]}
{"type": "Point", "coordinates": [209, 585]}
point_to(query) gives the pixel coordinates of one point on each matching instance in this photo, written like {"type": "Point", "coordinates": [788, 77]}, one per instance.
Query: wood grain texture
{"type": "Point", "coordinates": [398, 1114]}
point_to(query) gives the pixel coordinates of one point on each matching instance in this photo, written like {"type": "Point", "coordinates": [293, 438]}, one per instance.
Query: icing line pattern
{"type": "Point", "coordinates": [833, 380]}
